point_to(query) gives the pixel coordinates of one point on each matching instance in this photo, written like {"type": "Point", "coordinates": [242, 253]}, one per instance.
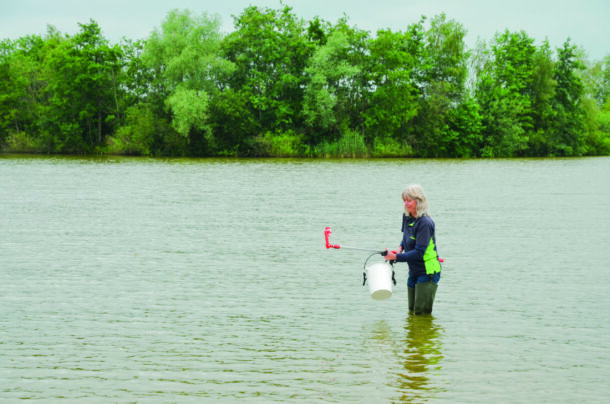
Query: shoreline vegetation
{"type": "Point", "coordinates": [281, 86]}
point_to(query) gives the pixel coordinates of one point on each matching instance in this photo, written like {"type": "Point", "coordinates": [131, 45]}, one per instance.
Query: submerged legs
{"type": "Point", "coordinates": [421, 297]}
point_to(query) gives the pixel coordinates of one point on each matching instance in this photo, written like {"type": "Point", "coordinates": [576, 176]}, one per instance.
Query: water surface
{"type": "Point", "coordinates": [185, 280]}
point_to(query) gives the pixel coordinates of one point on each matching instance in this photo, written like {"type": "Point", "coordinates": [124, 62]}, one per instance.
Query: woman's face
{"type": "Point", "coordinates": [411, 206]}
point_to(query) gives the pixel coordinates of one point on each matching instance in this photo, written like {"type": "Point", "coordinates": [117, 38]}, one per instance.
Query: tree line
{"type": "Point", "coordinates": [282, 86]}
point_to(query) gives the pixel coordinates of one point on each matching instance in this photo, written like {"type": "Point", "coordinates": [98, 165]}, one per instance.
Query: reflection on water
{"type": "Point", "coordinates": [421, 358]}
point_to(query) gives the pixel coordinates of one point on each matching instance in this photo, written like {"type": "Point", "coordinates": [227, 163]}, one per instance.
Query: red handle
{"type": "Point", "coordinates": [327, 233]}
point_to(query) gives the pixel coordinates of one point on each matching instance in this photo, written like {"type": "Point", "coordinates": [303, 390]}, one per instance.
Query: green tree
{"type": "Point", "coordinates": [391, 93]}
{"type": "Point", "coordinates": [448, 121]}
{"type": "Point", "coordinates": [187, 71]}
{"type": "Point", "coordinates": [135, 78]}
{"type": "Point", "coordinates": [270, 49]}
{"type": "Point", "coordinates": [23, 89]}
{"type": "Point", "coordinates": [82, 91]}
{"type": "Point", "coordinates": [596, 104]}
{"type": "Point", "coordinates": [568, 121]}
{"type": "Point", "coordinates": [17, 104]}
{"type": "Point", "coordinates": [543, 90]}
{"type": "Point", "coordinates": [329, 74]}
{"type": "Point", "coordinates": [504, 89]}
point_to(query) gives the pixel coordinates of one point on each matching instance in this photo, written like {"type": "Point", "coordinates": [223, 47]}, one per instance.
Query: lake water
{"type": "Point", "coordinates": [187, 280]}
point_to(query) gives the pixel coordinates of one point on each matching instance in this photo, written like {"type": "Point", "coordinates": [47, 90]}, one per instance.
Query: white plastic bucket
{"type": "Point", "coordinates": [379, 277]}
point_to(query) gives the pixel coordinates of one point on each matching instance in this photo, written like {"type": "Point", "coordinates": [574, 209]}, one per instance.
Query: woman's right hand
{"type": "Point", "coordinates": [389, 255]}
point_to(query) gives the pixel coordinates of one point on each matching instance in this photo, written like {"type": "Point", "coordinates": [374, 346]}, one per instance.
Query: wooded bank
{"type": "Point", "coordinates": [282, 86]}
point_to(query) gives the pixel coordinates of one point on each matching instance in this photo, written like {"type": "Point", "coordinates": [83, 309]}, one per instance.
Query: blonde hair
{"type": "Point", "coordinates": [416, 192]}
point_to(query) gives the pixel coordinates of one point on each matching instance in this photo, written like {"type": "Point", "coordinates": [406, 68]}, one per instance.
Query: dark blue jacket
{"type": "Point", "coordinates": [419, 246]}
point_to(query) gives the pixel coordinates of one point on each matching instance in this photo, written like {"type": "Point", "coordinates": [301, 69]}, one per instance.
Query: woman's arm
{"type": "Point", "coordinates": [417, 254]}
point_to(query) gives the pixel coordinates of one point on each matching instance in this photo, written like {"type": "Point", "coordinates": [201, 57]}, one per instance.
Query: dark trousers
{"type": "Point", "coordinates": [421, 297]}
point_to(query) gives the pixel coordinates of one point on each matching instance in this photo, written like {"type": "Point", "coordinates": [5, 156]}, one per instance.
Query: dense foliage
{"type": "Point", "coordinates": [281, 86]}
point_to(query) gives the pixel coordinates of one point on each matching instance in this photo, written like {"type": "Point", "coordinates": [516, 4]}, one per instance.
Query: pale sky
{"type": "Point", "coordinates": [586, 22]}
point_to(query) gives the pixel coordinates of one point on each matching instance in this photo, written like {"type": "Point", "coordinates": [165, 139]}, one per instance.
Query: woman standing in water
{"type": "Point", "coordinates": [418, 249]}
